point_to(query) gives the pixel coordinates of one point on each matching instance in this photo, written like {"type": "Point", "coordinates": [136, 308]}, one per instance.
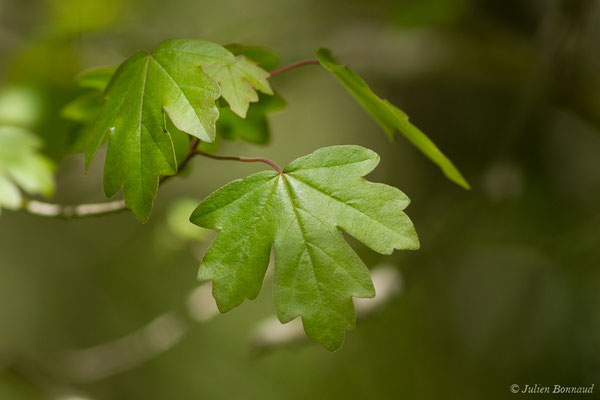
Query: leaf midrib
{"type": "Point", "coordinates": [143, 94]}
{"type": "Point", "coordinates": [297, 217]}
{"type": "Point", "coordinates": [177, 86]}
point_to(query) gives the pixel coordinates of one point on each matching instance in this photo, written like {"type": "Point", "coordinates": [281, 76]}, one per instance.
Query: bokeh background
{"type": "Point", "coordinates": [505, 289]}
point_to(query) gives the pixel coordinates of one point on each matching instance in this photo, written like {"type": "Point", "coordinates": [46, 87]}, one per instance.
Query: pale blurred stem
{"type": "Point", "coordinates": [294, 65]}
{"type": "Point", "coordinates": [50, 210]}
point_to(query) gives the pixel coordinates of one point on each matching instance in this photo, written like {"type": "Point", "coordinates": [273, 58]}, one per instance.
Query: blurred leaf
{"type": "Point", "coordinates": [95, 78]}
{"type": "Point", "coordinates": [255, 127]}
{"type": "Point", "coordinates": [389, 117]}
{"type": "Point", "coordinates": [145, 91]}
{"type": "Point", "coordinates": [10, 197]}
{"type": "Point", "coordinates": [178, 220]}
{"type": "Point", "coordinates": [20, 106]}
{"type": "Point", "coordinates": [238, 81]}
{"type": "Point", "coordinates": [265, 58]}
{"type": "Point", "coordinates": [84, 108]}
{"type": "Point", "coordinates": [301, 211]}
{"type": "Point", "coordinates": [21, 166]}
{"type": "Point", "coordinates": [82, 111]}
{"type": "Point", "coordinates": [75, 17]}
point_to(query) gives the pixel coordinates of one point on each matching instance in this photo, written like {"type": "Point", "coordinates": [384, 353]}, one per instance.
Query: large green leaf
{"type": "Point", "coordinates": [145, 90]}
{"type": "Point", "coordinates": [391, 118]}
{"type": "Point", "coordinates": [22, 167]}
{"type": "Point", "coordinates": [301, 211]}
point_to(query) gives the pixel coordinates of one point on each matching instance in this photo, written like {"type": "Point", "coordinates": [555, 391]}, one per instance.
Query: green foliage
{"type": "Point", "coordinates": [147, 109]}
{"type": "Point", "coordinates": [238, 81]}
{"type": "Point", "coordinates": [145, 91]}
{"type": "Point", "coordinates": [19, 106]}
{"type": "Point", "coordinates": [254, 128]}
{"type": "Point", "coordinates": [301, 211]}
{"type": "Point", "coordinates": [22, 167]}
{"type": "Point", "coordinates": [155, 98]}
{"type": "Point", "coordinates": [84, 108]}
{"type": "Point", "coordinates": [391, 118]}
{"type": "Point", "coordinates": [179, 223]}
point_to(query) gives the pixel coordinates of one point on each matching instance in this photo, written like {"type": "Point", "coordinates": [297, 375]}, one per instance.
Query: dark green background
{"type": "Point", "coordinates": [506, 287]}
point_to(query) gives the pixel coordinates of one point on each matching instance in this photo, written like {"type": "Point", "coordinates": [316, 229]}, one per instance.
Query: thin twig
{"type": "Point", "coordinates": [242, 159]}
{"type": "Point", "coordinates": [193, 144]}
{"type": "Point", "coordinates": [50, 210]}
{"type": "Point", "coordinates": [294, 65]}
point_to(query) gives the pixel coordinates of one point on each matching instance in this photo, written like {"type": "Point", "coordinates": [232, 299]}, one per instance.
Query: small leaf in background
{"type": "Point", "coordinates": [255, 127]}
{"type": "Point", "coordinates": [178, 220]}
{"type": "Point", "coordinates": [301, 212]}
{"type": "Point", "coordinates": [145, 91]}
{"type": "Point", "coordinates": [95, 78]}
{"type": "Point", "coordinates": [20, 106]}
{"type": "Point", "coordinates": [84, 108]}
{"type": "Point", "coordinates": [22, 167]}
{"type": "Point", "coordinates": [391, 118]}
{"type": "Point", "coordinates": [239, 81]}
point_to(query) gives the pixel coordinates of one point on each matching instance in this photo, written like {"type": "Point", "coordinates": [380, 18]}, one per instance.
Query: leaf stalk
{"type": "Point", "coordinates": [294, 65]}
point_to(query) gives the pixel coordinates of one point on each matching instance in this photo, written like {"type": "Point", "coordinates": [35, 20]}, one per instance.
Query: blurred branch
{"type": "Point", "coordinates": [294, 65]}
{"type": "Point", "coordinates": [161, 334]}
{"type": "Point", "coordinates": [116, 356]}
{"type": "Point", "coordinates": [99, 362]}
{"type": "Point", "coordinates": [49, 210]}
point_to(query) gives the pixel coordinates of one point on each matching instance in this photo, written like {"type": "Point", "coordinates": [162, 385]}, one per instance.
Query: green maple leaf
{"type": "Point", "coordinates": [388, 116]}
{"type": "Point", "coordinates": [254, 128]}
{"type": "Point", "coordinates": [238, 81]}
{"type": "Point", "coordinates": [22, 167]}
{"type": "Point", "coordinates": [301, 211]}
{"type": "Point", "coordinates": [145, 90]}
